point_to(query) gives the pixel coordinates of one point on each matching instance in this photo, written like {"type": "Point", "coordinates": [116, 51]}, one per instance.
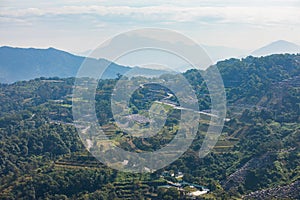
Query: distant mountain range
{"type": "Point", "coordinates": [216, 53]}
{"type": "Point", "coordinates": [278, 47]}
{"type": "Point", "coordinates": [28, 63]}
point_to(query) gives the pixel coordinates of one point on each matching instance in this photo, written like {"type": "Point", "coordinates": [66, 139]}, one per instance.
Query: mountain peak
{"type": "Point", "coordinates": [277, 47]}
{"type": "Point", "coordinates": [52, 48]}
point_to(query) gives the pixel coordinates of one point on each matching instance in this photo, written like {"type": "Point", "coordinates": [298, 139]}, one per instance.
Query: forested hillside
{"type": "Point", "coordinates": [256, 157]}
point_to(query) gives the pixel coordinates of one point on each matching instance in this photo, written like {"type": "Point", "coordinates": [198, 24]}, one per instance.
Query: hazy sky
{"type": "Point", "coordinates": [76, 26]}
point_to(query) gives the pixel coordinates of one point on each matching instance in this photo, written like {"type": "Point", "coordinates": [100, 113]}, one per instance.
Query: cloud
{"type": "Point", "coordinates": [185, 3]}
{"type": "Point", "coordinates": [209, 20]}
{"type": "Point", "coordinates": [245, 15]}
{"type": "Point", "coordinates": [16, 21]}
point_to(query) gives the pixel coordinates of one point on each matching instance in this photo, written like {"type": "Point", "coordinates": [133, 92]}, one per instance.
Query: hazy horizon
{"type": "Point", "coordinates": [77, 26]}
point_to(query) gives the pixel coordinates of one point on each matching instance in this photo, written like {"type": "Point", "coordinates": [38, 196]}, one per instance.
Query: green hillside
{"type": "Point", "coordinates": [256, 157]}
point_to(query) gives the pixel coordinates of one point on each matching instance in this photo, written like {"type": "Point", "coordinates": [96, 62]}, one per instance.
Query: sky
{"type": "Point", "coordinates": [78, 26]}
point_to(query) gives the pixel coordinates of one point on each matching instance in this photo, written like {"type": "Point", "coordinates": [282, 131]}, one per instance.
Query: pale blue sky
{"type": "Point", "coordinates": [76, 26]}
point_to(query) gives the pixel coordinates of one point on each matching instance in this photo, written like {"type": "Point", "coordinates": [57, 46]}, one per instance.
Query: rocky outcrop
{"type": "Point", "coordinates": [239, 176]}
{"type": "Point", "coordinates": [291, 191]}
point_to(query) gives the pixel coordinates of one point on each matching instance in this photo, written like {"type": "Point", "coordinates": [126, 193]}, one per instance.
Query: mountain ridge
{"type": "Point", "coordinates": [18, 64]}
